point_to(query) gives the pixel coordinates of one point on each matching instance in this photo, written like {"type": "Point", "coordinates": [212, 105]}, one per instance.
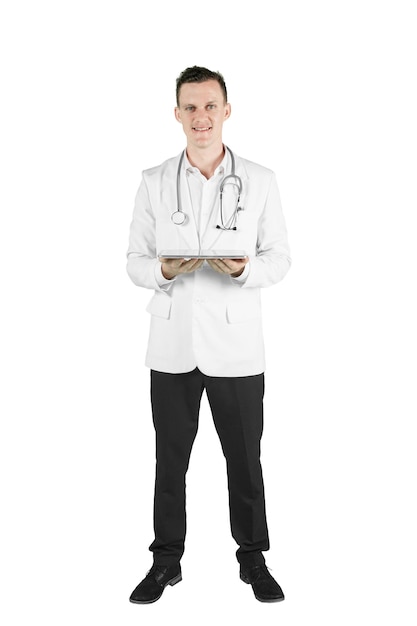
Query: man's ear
{"type": "Point", "coordinates": [177, 113]}
{"type": "Point", "coordinates": [227, 111]}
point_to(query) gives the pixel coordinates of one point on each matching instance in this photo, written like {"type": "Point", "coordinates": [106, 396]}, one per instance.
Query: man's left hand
{"type": "Point", "coordinates": [233, 267]}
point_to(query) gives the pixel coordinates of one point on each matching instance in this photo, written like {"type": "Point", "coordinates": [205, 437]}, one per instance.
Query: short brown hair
{"type": "Point", "coordinates": [197, 74]}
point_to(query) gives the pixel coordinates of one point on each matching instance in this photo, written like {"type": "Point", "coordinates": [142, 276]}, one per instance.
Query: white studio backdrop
{"type": "Point", "coordinates": [323, 93]}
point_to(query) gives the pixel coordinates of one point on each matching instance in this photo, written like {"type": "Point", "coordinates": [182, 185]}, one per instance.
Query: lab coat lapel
{"type": "Point", "coordinates": [188, 230]}
{"type": "Point", "coordinates": [185, 233]}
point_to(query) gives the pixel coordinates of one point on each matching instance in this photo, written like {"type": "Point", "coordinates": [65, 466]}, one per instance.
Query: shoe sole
{"type": "Point", "coordinates": [171, 582]}
{"type": "Point", "coordinates": [269, 601]}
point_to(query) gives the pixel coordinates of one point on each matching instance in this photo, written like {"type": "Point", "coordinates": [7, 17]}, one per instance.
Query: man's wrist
{"type": "Point", "coordinates": [166, 273]}
{"type": "Point", "coordinates": [242, 275]}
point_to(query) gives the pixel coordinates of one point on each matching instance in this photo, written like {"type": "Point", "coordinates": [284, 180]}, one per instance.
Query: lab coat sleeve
{"type": "Point", "coordinates": [143, 266]}
{"type": "Point", "coordinates": [272, 260]}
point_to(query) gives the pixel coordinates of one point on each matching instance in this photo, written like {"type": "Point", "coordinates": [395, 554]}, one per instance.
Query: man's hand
{"type": "Point", "coordinates": [233, 267]}
{"type": "Point", "coordinates": [173, 267]}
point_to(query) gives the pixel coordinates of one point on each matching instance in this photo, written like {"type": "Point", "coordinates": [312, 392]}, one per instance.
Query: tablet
{"type": "Point", "coordinates": [202, 254]}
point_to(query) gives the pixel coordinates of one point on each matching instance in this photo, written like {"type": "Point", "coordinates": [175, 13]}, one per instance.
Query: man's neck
{"type": "Point", "coordinates": [206, 160]}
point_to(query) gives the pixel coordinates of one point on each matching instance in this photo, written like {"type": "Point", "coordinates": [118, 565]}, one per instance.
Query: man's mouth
{"type": "Point", "coordinates": [200, 130]}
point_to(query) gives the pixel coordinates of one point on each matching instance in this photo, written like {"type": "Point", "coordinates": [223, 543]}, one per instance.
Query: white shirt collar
{"type": "Point", "coordinates": [220, 169]}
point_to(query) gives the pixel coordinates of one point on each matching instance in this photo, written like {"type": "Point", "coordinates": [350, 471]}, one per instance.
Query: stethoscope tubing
{"type": "Point", "coordinates": [179, 217]}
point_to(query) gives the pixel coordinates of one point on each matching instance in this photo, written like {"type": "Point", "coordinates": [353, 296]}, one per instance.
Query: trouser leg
{"type": "Point", "coordinates": [237, 407]}
{"type": "Point", "coordinates": [175, 407]}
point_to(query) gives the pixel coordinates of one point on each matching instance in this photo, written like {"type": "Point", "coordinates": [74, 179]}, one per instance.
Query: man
{"type": "Point", "coordinates": [206, 331]}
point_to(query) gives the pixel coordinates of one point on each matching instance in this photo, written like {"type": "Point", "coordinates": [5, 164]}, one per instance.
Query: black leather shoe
{"type": "Point", "coordinates": [265, 587]}
{"type": "Point", "coordinates": [152, 586]}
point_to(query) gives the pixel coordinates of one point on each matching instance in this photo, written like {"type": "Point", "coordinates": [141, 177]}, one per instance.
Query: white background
{"type": "Point", "coordinates": [323, 93]}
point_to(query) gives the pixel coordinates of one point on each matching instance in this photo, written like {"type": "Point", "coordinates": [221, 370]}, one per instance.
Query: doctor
{"type": "Point", "coordinates": [205, 325]}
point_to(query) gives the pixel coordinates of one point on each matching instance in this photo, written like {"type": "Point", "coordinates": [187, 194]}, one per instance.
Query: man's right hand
{"type": "Point", "coordinates": [173, 267]}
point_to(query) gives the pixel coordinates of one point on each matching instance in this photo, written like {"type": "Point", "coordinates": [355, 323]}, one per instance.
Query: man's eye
{"type": "Point", "coordinates": [211, 106]}
{"type": "Point", "coordinates": [190, 108]}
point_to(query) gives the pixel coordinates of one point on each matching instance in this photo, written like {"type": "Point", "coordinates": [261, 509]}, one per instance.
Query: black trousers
{"type": "Point", "coordinates": [237, 408]}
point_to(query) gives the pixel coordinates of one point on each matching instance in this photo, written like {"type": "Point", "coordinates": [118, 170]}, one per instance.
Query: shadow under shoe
{"type": "Point", "coordinates": [265, 587]}
{"type": "Point", "coordinates": [152, 586]}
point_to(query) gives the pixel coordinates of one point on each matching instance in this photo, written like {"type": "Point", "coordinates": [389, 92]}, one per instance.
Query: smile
{"type": "Point", "coordinates": [199, 130]}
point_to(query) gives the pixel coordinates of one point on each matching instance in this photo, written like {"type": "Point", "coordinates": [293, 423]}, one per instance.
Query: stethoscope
{"type": "Point", "coordinates": [179, 217]}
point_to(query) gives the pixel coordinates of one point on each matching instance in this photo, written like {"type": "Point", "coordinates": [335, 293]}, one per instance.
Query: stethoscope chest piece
{"type": "Point", "coordinates": [179, 218]}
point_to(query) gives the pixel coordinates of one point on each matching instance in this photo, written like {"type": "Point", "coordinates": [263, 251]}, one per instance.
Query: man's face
{"type": "Point", "coordinates": [201, 112]}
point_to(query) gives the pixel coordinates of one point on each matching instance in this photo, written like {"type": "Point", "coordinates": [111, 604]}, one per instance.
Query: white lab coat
{"type": "Point", "coordinates": [205, 319]}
